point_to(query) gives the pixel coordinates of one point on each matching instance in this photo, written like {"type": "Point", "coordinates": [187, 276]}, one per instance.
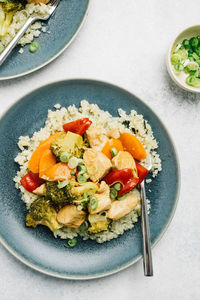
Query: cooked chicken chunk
{"type": "Point", "coordinates": [121, 208]}
{"type": "Point", "coordinates": [96, 138]}
{"type": "Point", "coordinates": [97, 164]}
{"type": "Point", "coordinates": [70, 216]}
{"type": "Point", "coordinates": [103, 197]}
{"type": "Point", "coordinates": [124, 160]}
{"type": "Point", "coordinates": [113, 133]}
{"type": "Point", "coordinates": [41, 190]}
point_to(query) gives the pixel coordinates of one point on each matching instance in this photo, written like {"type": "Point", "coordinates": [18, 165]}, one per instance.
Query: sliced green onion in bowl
{"type": "Point", "coordinates": [192, 66]}
{"type": "Point", "coordinates": [179, 67]}
{"type": "Point", "coordinates": [194, 42]}
{"type": "Point", "coordinates": [193, 81]}
{"type": "Point", "coordinates": [113, 151]}
{"type": "Point", "coordinates": [175, 59]}
{"type": "Point", "coordinates": [64, 157]}
{"type": "Point", "coordinates": [62, 184]}
{"type": "Point", "coordinates": [186, 44]}
{"type": "Point", "coordinates": [73, 173]}
{"type": "Point", "coordinates": [93, 202]}
{"type": "Point", "coordinates": [34, 46]}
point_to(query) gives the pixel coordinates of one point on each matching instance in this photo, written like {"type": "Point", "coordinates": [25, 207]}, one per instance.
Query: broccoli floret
{"type": "Point", "coordinates": [7, 11]}
{"type": "Point", "coordinates": [70, 143]}
{"type": "Point", "coordinates": [71, 192]}
{"type": "Point", "coordinates": [42, 212]}
{"type": "Point", "coordinates": [58, 197]}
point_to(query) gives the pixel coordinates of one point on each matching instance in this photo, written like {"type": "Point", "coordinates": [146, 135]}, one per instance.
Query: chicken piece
{"type": "Point", "coordinates": [38, 1]}
{"type": "Point", "coordinates": [113, 133]}
{"type": "Point", "coordinates": [103, 197]}
{"type": "Point", "coordinates": [96, 138]}
{"type": "Point", "coordinates": [70, 216]}
{"type": "Point", "coordinates": [97, 164]}
{"type": "Point", "coordinates": [121, 208]}
{"type": "Point", "coordinates": [124, 160]}
{"type": "Point", "coordinates": [41, 190]}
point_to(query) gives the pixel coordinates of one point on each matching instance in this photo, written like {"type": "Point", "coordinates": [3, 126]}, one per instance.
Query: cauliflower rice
{"type": "Point", "coordinates": [132, 123]}
{"type": "Point", "coordinates": [18, 21]}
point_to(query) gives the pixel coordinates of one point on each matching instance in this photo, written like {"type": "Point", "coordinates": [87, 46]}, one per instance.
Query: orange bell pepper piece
{"type": "Point", "coordinates": [113, 143]}
{"type": "Point", "coordinates": [57, 172]}
{"type": "Point", "coordinates": [47, 160]}
{"type": "Point", "coordinates": [133, 146]}
{"type": "Point", "coordinates": [33, 164]}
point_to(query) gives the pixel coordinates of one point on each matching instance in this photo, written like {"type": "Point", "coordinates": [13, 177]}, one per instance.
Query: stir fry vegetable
{"type": "Point", "coordinates": [79, 126]}
{"type": "Point", "coordinates": [76, 180]}
{"type": "Point", "coordinates": [31, 181]}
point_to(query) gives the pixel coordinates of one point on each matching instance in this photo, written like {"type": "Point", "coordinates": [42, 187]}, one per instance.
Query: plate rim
{"type": "Point", "coordinates": [57, 54]}
{"type": "Point", "coordinates": [166, 226]}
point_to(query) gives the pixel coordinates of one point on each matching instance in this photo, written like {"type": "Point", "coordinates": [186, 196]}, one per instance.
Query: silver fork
{"type": "Point", "coordinates": [147, 254]}
{"type": "Point", "coordinates": [52, 6]}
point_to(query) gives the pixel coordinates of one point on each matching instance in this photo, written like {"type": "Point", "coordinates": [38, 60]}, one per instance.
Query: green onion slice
{"type": "Point", "coordinates": [117, 186]}
{"type": "Point", "coordinates": [64, 157]}
{"type": "Point", "coordinates": [113, 193]}
{"type": "Point", "coordinates": [193, 81]}
{"type": "Point", "coordinates": [113, 151]}
{"type": "Point", "coordinates": [82, 169]}
{"type": "Point", "coordinates": [82, 178]}
{"type": "Point", "coordinates": [122, 197]}
{"type": "Point", "coordinates": [62, 184]}
{"type": "Point", "coordinates": [34, 46]}
{"type": "Point", "coordinates": [72, 243]}
{"type": "Point", "coordinates": [93, 203]}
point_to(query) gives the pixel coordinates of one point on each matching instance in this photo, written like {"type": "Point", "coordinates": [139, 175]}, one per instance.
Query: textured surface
{"type": "Point", "coordinates": [61, 29]}
{"type": "Point", "coordinates": [87, 259]}
{"type": "Point", "coordinates": [126, 43]}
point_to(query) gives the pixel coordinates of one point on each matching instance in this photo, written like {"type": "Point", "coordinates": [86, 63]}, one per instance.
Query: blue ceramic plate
{"type": "Point", "coordinates": [63, 27]}
{"type": "Point", "coordinates": [36, 247]}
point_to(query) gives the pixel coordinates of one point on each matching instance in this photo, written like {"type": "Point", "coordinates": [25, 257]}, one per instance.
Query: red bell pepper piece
{"type": "Point", "coordinates": [125, 177]}
{"type": "Point", "coordinates": [79, 126]}
{"type": "Point", "coordinates": [31, 181]}
{"type": "Point", "coordinates": [130, 184]}
{"type": "Point", "coordinates": [121, 176]}
{"type": "Point", "coordinates": [142, 171]}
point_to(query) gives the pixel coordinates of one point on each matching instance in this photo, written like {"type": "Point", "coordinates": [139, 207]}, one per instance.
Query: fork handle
{"type": "Point", "coordinates": [14, 41]}
{"type": "Point", "coordinates": [147, 255]}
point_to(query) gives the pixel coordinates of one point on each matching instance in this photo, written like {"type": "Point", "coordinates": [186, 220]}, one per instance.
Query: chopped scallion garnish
{"type": "Point", "coordinates": [117, 186]}
{"type": "Point", "coordinates": [64, 157]}
{"type": "Point", "coordinates": [113, 193]}
{"type": "Point", "coordinates": [82, 178]}
{"type": "Point", "coordinates": [62, 184]}
{"type": "Point", "coordinates": [93, 202]}
{"type": "Point", "coordinates": [113, 151]}
{"type": "Point", "coordinates": [72, 243]}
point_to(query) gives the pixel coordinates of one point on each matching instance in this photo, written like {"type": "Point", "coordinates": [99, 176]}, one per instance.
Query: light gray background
{"type": "Point", "coordinates": [125, 42]}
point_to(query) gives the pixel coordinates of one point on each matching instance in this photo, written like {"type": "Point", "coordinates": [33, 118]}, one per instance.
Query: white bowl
{"type": "Point", "coordinates": [179, 77]}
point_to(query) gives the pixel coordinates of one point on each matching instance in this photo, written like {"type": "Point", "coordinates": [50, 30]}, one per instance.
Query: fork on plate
{"type": "Point", "coordinates": [35, 17]}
